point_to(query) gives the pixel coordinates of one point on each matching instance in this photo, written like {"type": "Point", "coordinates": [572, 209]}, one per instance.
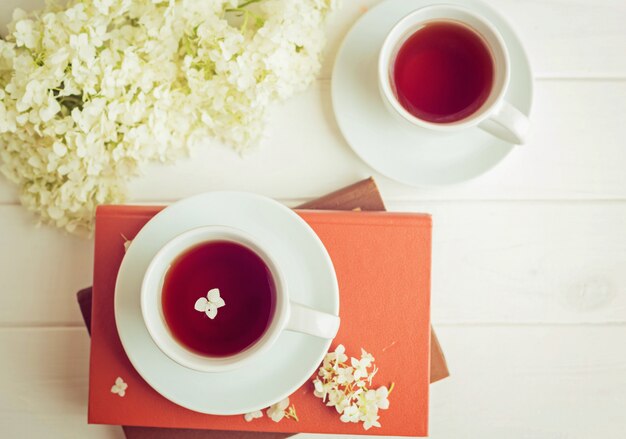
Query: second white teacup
{"type": "Point", "coordinates": [494, 115]}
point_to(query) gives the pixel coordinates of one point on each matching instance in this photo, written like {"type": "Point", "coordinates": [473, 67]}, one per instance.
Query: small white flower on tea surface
{"type": "Point", "coordinates": [119, 387]}
{"type": "Point", "coordinates": [253, 415]}
{"type": "Point", "coordinates": [210, 304]}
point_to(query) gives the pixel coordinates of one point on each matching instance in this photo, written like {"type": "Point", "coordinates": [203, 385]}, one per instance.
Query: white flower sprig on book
{"type": "Point", "coordinates": [346, 386]}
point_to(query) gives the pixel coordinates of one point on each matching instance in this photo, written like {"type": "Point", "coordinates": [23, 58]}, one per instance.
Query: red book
{"type": "Point", "coordinates": [382, 262]}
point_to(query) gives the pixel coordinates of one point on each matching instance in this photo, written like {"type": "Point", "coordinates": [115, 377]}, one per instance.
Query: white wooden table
{"type": "Point", "coordinates": [529, 275]}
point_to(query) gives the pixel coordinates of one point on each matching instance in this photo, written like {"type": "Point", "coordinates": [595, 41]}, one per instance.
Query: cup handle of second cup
{"type": "Point", "coordinates": [507, 123]}
{"type": "Point", "coordinates": [311, 321]}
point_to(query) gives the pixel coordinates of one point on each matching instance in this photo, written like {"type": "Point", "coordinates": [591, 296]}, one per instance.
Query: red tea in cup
{"type": "Point", "coordinates": [245, 285]}
{"type": "Point", "coordinates": [443, 72]}
{"type": "Point", "coordinates": [214, 298]}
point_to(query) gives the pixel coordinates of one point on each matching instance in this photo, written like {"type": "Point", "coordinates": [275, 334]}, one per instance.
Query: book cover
{"type": "Point", "coordinates": [382, 262]}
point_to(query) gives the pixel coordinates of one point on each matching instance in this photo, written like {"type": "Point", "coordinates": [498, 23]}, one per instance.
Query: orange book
{"type": "Point", "coordinates": [382, 261]}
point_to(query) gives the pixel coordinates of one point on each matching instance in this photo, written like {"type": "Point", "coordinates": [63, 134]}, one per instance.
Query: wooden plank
{"type": "Point", "coordinates": [540, 382]}
{"type": "Point", "coordinates": [527, 262]}
{"type": "Point", "coordinates": [516, 262]}
{"type": "Point", "coordinates": [574, 153]}
{"type": "Point", "coordinates": [543, 382]}
{"type": "Point", "coordinates": [41, 268]}
{"type": "Point", "coordinates": [564, 39]}
{"type": "Point", "coordinates": [43, 385]}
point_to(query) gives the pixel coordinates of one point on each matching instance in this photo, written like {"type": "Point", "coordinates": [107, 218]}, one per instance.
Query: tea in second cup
{"type": "Point", "coordinates": [445, 68]}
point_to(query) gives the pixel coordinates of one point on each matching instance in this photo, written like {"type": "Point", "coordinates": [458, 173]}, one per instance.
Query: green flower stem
{"type": "Point", "coordinates": [247, 14]}
{"type": "Point", "coordinates": [291, 413]}
{"type": "Point", "coordinates": [248, 3]}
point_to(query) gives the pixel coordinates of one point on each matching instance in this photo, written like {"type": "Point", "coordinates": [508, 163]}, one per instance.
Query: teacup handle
{"type": "Point", "coordinates": [311, 321]}
{"type": "Point", "coordinates": [507, 123]}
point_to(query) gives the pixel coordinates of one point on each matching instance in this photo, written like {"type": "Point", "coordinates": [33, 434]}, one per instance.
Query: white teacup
{"type": "Point", "coordinates": [287, 315]}
{"type": "Point", "coordinates": [496, 116]}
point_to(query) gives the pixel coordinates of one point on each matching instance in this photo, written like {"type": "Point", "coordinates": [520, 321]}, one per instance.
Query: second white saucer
{"type": "Point", "coordinates": [408, 154]}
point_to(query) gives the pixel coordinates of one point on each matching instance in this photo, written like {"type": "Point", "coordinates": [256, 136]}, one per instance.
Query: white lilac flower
{"type": "Point", "coordinates": [326, 371]}
{"type": "Point", "coordinates": [366, 356]}
{"type": "Point", "coordinates": [370, 419]}
{"type": "Point", "coordinates": [276, 412]}
{"type": "Point", "coordinates": [342, 401]}
{"type": "Point", "coordinates": [93, 91]}
{"type": "Point", "coordinates": [119, 387]}
{"type": "Point", "coordinates": [361, 366]}
{"type": "Point", "coordinates": [345, 375]}
{"type": "Point", "coordinates": [379, 397]}
{"type": "Point", "coordinates": [321, 389]}
{"type": "Point", "coordinates": [210, 304]}
{"type": "Point", "coordinates": [338, 398]}
{"type": "Point", "coordinates": [350, 414]}
{"type": "Point", "coordinates": [332, 359]}
{"type": "Point", "coordinates": [253, 415]}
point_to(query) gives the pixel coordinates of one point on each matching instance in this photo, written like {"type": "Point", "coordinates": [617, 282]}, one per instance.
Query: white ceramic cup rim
{"type": "Point", "coordinates": [151, 293]}
{"type": "Point", "coordinates": [445, 12]}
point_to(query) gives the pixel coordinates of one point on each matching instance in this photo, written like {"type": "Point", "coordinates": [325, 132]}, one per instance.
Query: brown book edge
{"type": "Point", "coordinates": [363, 195]}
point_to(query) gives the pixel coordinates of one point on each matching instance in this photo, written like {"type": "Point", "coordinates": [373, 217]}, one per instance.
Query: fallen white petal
{"type": "Point", "coordinates": [119, 387]}
{"type": "Point", "coordinates": [201, 304]}
{"type": "Point", "coordinates": [211, 311]}
{"type": "Point", "coordinates": [213, 294]}
{"type": "Point", "coordinates": [218, 303]}
{"type": "Point", "coordinates": [253, 415]}
{"type": "Point", "coordinates": [284, 403]}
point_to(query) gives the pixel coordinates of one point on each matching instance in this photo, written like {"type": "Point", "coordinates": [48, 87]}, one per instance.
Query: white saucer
{"type": "Point", "coordinates": [397, 150]}
{"type": "Point", "coordinates": [279, 371]}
